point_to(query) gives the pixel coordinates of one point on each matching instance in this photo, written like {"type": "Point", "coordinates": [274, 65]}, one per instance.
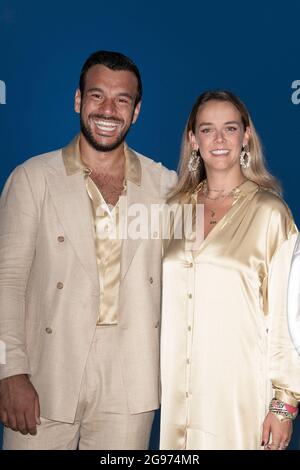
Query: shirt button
{"type": "Point", "coordinates": [190, 295]}
{"type": "Point", "coordinates": [48, 330]}
{"type": "Point", "coordinates": [59, 285]}
{"type": "Point", "coordinates": [187, 394]}
{"type": "Point", "coordinates": [156, 324]}
{"type": "Point", "coordinates": [60, 239]}
{"type": "Point", "coordinates": [155, 235]}
{"type": "Point", "coordinates": [151, 280]}
{"type": "Point", "coordinates": [187, 361]}
{"type": "Point", "coordinates": [189, 328]}
{"type": "Point", "coordinates": [191, 265]}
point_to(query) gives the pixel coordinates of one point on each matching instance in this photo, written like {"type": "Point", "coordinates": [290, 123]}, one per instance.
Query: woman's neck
{"type": "Point", "coordinates": [224, 182]}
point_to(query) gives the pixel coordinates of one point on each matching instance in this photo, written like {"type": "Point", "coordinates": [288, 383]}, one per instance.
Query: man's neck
{"type": "Point", "coordinates": [108, 169]}
{"type": "Point", "coordinates": [112, 162]}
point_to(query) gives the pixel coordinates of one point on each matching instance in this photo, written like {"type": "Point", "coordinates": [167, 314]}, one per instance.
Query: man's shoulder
{"type": "Point", "coordinates": [165, 179]}
{"type": "Point", "coordinates": [39, 162]}
{"type": "Point", "coordinates": [154, 166]}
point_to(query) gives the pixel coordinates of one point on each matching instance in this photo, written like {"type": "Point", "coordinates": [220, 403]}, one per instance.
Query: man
{"type": "Point", "coordinates": [79, 309]}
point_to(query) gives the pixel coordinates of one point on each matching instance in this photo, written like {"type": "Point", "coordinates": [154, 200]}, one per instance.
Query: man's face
{"type": "Point", "coordinates": [106, 106]}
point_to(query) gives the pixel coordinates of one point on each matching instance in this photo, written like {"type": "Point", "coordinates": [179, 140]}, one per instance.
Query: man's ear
{"type": "Point", "coordinates": [77, 101]}
{"type": "Point", "coordinates": [136, 112]}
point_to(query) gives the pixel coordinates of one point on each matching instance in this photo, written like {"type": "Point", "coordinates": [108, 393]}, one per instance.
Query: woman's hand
{"type": "Point", "coordinates": [279, 431]}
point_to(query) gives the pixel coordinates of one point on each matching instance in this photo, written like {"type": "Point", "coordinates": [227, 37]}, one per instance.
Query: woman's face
{"type": "Point", "coordinates": [219, 135]}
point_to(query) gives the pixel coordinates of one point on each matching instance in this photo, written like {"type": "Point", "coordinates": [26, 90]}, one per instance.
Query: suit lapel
{"type": "Point", "coordinates": [129, 245]}
{"type": "Point", "coordinates": [73, 208]}
{"type": "Point", "coordinates": [139, 200]}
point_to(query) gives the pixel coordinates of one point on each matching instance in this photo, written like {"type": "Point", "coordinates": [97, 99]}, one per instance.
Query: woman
{"type": "Point", "coordinates": [226, 350]}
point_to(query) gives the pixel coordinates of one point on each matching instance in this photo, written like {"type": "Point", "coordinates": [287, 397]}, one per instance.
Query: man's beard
{"type": "Point", "coordinates": [87, 132]}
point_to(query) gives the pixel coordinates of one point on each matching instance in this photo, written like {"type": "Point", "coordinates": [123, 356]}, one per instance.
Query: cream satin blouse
{"type": "Point", "coordinates": [225, 341]}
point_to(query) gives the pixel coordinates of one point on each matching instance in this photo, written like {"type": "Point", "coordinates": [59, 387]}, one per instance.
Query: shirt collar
{"type": "Point", "coordinates": [74, 164]}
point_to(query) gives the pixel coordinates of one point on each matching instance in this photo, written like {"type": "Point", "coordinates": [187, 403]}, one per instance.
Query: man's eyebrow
{"type": "Point", "coordinates": [122, 93]}
{"type": "Point", "coordinates": [94, 89]}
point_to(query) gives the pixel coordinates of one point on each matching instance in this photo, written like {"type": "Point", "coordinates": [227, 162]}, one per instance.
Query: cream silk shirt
{"type": "Point", "coordinates": [106, 221]}
{"type": "Point", "coordinates": [226, 348]}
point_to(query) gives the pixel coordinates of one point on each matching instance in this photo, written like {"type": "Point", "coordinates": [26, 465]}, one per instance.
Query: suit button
{"type": "Point", "coordinates": [156, 324]}
{"type": "Point", "coordinates": [59, 285]}
{"type": "Point", "coordinates": [60, 239]}
{"type": "Point", "coordinates": [151, 280]}
{"type": "Point", "coordinates": [48, 330]}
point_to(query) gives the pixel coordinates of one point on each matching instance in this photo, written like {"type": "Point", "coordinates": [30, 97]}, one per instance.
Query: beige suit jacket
{"type": "Point", "coordinates": [49, 290]}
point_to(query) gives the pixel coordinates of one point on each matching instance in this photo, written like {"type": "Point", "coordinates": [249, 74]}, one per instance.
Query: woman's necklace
{"type": "Point", "coordinates": [223, 193]}
{"type": "Point", "coordinates": [213, 220]}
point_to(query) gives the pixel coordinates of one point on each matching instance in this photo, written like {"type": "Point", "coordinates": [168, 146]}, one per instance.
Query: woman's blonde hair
{"type": "Point", "coordinates": [257, 171]}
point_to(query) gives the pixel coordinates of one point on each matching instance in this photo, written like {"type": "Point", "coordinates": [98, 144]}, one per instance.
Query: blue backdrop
{"type": "Point", "coordinates": [251, 48]}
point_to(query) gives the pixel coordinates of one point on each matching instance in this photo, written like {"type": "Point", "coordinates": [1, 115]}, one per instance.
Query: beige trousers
{"type": "Point", "coordinates": [102, 420]}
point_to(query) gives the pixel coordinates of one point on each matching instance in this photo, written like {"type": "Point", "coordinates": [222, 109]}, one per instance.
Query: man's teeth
{"type": "Point", "coordinates": [106, 125]}
{"type": "Point", "coordinates": [220, 152]}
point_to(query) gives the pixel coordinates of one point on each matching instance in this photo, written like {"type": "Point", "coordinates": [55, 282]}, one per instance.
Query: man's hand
{"type": "Point", "coordinates": [19, 404]}
{"type": "Point", "coordinates": [281, 432]}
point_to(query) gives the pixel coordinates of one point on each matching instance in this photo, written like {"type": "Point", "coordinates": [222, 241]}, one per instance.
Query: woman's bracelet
{"type": "Point", "coordinates": [283, 410]}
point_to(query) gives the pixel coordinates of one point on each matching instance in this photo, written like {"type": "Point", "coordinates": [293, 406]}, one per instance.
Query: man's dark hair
{"type": "Point", "coordinates": [113, 61]}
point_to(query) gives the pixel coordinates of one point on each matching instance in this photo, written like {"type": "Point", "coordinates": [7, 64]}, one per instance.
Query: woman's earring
{"type": "Point", "coordinates": [245, 157]}
{"type": "Point", "coordinates": [194, 161]}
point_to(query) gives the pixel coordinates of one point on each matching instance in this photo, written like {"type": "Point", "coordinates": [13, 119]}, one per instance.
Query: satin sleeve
{"type": "Point", "coordinates": [284, 361]}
